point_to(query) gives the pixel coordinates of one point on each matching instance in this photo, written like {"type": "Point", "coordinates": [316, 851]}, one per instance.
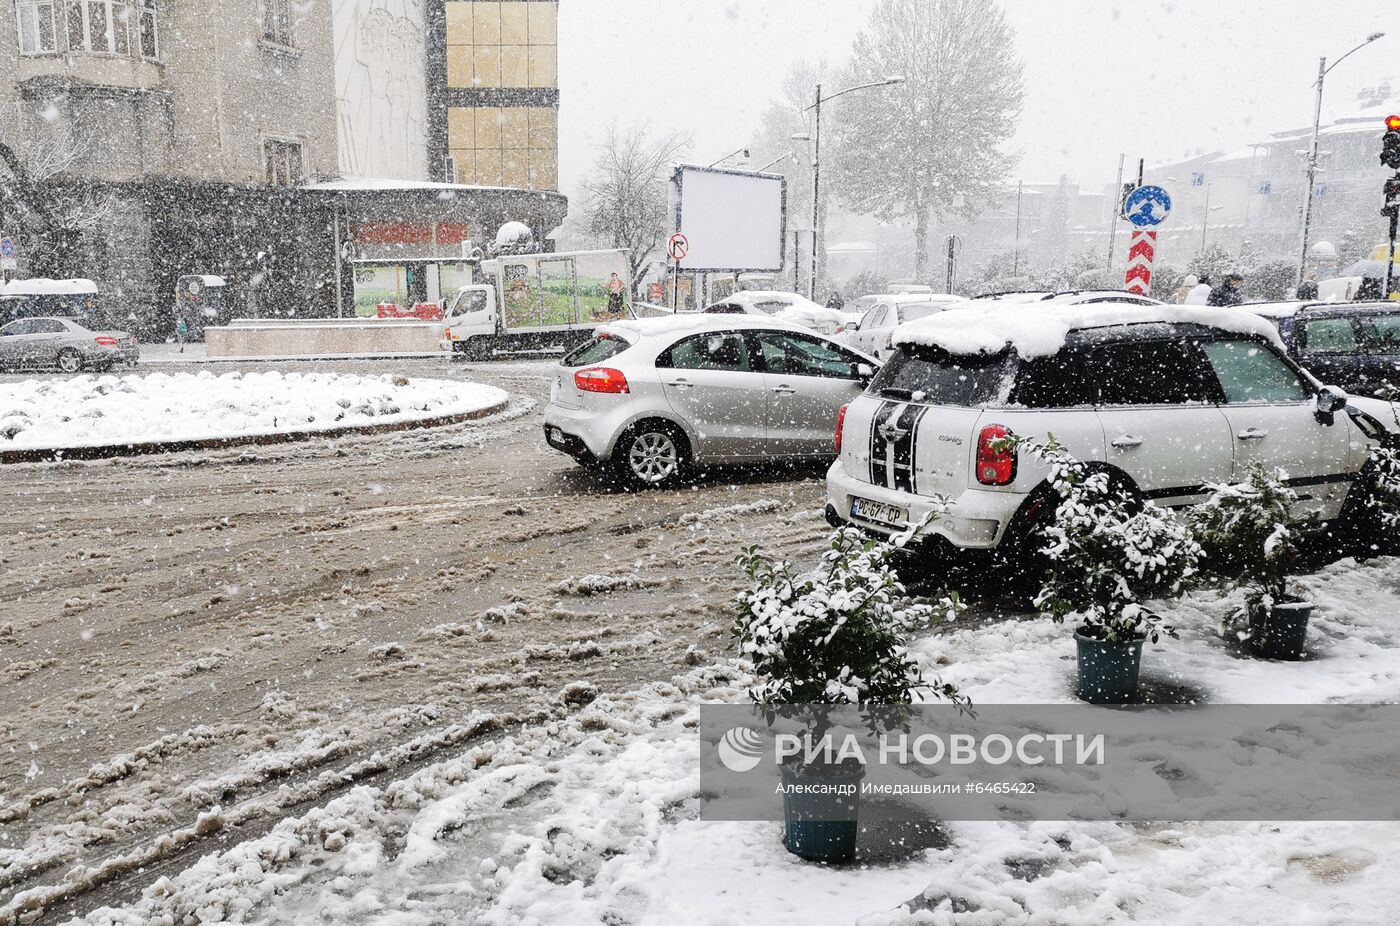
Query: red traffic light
{"type": "Point", "coordinates": [1392, 123]}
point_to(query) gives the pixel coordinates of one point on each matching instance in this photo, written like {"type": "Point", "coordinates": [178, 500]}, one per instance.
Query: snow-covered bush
{"type": "Point", "coordinates": [1385, 485]}
{"type": "Point", "coordinates": [1108, 552]}
{"type": "Point", "coordinates": [1250, 534]}
{"type": "Point", "coordinates": [836, 635]}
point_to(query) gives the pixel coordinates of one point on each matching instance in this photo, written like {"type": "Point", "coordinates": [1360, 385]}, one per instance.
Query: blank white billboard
{"type": "Point", "coordinates": [734, 219]}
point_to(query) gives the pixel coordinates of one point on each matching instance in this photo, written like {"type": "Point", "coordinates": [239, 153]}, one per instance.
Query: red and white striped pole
{"type": "Point", "coordinates": [1141, 252]}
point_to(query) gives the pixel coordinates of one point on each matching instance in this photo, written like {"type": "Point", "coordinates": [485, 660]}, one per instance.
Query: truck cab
{"type": "Point", "coordinates": [471, 320]}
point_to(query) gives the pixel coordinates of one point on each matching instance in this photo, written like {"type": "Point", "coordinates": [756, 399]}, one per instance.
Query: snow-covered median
{"type": "Point", "coordinates": [93, 411]}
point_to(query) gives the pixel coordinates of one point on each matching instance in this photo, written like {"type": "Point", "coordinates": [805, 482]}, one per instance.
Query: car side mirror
{"type": "Point", "coordinates": [1330, 400]}
{"type": "Point", "coordinates": [863, 372]}
{"type": "Point", "coordinates": [853, 326]}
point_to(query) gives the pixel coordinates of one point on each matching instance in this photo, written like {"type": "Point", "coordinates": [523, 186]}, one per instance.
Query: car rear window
{"type": "Point", "coordinates": [595, 350]}
{"type": "Point", "coordinates": [927, 374]}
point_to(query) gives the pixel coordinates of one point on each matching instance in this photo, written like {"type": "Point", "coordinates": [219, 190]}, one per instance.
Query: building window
{"type": "Point", "coordinates": [283, 160]}
{"type": "Point", "coordinates": [38, 33]}
{"type": "Point", "coordinates": [100, 27]}
{"type": "Point", "coordinates": [146, 34]}
{"type": "Point", "coordinates": [277, 22]}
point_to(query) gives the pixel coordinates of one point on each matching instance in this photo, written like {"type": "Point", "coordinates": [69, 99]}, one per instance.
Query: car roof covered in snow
{"type": "Point", "coordinates": [681, 324]}
{"type": "Point", "coordinates": [1318, 309]}
{"type": "Point", "coordinates": [1041, 330]}
{"type": "Point", "coordinates": [42, 286]}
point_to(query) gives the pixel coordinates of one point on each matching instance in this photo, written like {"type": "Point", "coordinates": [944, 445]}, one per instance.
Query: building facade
{"type": "Point", "coordinates": [299, 148]}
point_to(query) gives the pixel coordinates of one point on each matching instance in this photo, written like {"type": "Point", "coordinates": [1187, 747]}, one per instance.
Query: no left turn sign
{"type": "Point", "coordinates": [678, 246]}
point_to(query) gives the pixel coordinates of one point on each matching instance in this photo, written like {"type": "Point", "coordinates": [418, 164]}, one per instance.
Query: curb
{"type": "Point", "coordinates": [142, 448]}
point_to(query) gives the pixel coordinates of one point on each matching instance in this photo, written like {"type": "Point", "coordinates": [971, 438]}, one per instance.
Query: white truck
{"type": "Point", "coordinates": [537, 303]}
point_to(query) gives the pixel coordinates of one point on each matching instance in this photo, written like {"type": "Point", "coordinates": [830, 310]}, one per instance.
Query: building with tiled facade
{"type": "Point", "coordinates": [295, 147]}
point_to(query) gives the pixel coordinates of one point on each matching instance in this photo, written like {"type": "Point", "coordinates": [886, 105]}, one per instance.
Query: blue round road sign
{"type": "Point", "coordinates": [7, 248]}
{"type": "Point", "coordinates": [1147, 206]}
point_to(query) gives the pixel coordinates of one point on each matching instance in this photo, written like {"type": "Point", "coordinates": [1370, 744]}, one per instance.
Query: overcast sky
{"type": "Point", "coordinates": [1152, 79]}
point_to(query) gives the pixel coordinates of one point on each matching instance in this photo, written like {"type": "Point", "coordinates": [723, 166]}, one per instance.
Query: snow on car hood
{"type": "Point", "coordinates": [1040, 330]}
{"type": "Point", "coordinates": [810, 312]}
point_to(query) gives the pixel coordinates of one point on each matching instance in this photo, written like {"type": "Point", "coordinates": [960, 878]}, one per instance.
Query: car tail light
{"type": "Point", "coordinates": [106, 340]}
{"type": "Point", "coordinates": [840, 425]}
{"type": "Point", "coordinates": [601, 379]}
{"type": "Point", "coordinates": [995, 467]}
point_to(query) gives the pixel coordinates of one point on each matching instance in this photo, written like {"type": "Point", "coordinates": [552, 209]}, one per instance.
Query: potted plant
{"type": "Point", "coordinates": [1109, 553]}
{"type": "Point", "coordinates": [834, 636]}
{"type": "Point", "coordinates": [1250, 533]}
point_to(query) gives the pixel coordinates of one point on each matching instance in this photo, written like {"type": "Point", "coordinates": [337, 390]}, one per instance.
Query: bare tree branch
{"type": "Point", "coordinates": [625, 193]}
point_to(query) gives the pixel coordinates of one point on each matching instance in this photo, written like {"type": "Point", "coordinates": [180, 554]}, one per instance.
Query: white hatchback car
{"type": "Point", "coordinates": [872, 333]}
{"type": "Point", "coordinates": [1168, 399]}
{"type": "Point", "coordinates": [788, 307]}
{"type": "Point", "coordinates": [646, 398]}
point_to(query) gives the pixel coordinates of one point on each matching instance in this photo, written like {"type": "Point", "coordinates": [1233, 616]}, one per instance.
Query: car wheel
{"type": "Point", "coordinates": [650, 455]}
{"type": "Point", "coordinates": [69, 360]}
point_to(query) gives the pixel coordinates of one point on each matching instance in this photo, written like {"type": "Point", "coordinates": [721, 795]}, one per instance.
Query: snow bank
{"type": "Point", "coordinates": [96, 411]}
{"type": "Point", "coordinates": [1039, 330]}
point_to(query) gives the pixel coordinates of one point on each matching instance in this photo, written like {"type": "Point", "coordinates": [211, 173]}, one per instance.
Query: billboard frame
{"type": "Point", "coordinates": [675, 188]}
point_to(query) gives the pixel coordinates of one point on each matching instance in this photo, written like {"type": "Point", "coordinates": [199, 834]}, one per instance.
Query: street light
{"type": "Point", "coordinates": [816, 164]}
{"type": "Point", "coordinates": [1322, 71]}
{"type": "Point", "coordinates": [743, 151]}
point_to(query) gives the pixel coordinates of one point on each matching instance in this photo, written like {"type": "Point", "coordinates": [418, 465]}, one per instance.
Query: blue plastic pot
{"type": "Point", "coordinates": [821, 806]}
{"type": "Point", "coordinates": [1281, 631]}
{"type": "Point", "coordinates": [1108, 672]}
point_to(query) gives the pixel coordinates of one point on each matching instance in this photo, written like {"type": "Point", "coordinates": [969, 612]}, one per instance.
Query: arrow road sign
{"type": "Point", "coordinates": [1147, 206]}
{"type": "Point", "coordinates": [678, 246]}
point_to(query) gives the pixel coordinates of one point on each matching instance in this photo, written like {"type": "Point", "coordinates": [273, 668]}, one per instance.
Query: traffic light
{"type": "Point", "coordinates": [1390, 143]}
{"type": "Point", "coordinates": [1392, 197]}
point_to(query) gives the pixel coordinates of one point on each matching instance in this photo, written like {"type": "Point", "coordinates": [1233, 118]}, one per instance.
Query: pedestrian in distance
{"type": "Point", "coordinates": [1200, 293]}
{"type": "Point", "coordinates": [1228, 292]}
{"type": "Point", "coordinates": [1369, 290]}
{"type": "Point", "coordinates": [615, 287]}
{"type": "Point", "coordinates": [1307, 290]}
{"type": "Point", "coordinates": [1187, 285]}
{"type": "Point", "coordinates": [182, 330]}
{"type": "Point", "coordinates": [834, 301]}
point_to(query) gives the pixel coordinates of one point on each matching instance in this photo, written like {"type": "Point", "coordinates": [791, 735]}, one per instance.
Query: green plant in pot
{"type": "Point", "coordinates": [1109, 553]}
{"type": "Point", "coordinates": [1251, 534]}
{"type": "Point", "coordinates": [836, 636]}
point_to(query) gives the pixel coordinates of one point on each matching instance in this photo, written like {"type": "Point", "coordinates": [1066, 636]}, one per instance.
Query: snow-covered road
{"type": "Point", "coordinates": [260, 628]}
{"type": "Point", "coordinates": [589, 817]}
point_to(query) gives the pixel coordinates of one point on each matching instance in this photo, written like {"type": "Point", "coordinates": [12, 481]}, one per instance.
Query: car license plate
{"type": "Point", "coordinates": [878, 512]}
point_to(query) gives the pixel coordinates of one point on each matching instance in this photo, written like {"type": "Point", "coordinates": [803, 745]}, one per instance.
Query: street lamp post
{"type": "Point", "coordinates": [1205, 217]}
{"type": "Point", "coordinates": [816, 167]}
{"type": "Point", "coordinates": [1322, 71]}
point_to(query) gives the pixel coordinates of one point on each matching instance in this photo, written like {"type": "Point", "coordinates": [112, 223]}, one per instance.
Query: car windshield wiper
{"type": "Point", "coordinates": [895, 392]}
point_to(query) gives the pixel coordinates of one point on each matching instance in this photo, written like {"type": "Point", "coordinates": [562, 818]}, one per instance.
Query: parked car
{"type": "Point", "coordinates": [1089, 296]}
{"type": "Point", "coordinates": [646, 399]}
{"type": "Point", "coordinates": [1355, 345]}
{"type": "Point", "coordinates": [788, 307]}
{"type": "Point", "coordinates": [1167, 399]}
{"type": "Point", "coordinates": [37, 297]}
{"type": "Point", "coordinates": [872, 333]}
{"type": "Point", "coordinates": [65, 344]}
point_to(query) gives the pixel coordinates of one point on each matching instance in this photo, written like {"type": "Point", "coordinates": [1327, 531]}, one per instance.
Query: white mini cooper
{"type": "Point", "coordinates": [1168, 399]}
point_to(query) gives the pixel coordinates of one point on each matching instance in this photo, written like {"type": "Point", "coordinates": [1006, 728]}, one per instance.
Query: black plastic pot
{"type": "Point", "coordinates": [821, 806]}
{"type": "Point", "coordinates": [1108, 672]}
{"type": "Point", "coordinates": [1280, 630]}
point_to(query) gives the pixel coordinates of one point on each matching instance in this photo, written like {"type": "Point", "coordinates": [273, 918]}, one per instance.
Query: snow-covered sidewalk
{"type": "Point", "coordinates": [591, 819]}
{"type": "Point", "coordinates": [89, 411]}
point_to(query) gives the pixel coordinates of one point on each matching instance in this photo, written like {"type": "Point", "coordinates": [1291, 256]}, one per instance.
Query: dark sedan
{"type": "Point", "coordinates": [47, 343]}
{"type": "Point", "coordinates": [1355, 345]}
